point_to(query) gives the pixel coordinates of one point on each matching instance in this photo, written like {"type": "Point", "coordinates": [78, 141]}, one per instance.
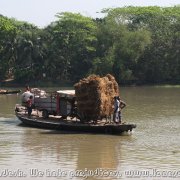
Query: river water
{"type": "Point", "coordinates": [151, 151]}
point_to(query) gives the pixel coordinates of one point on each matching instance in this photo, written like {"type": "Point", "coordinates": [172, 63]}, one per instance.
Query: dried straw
{"type": "Point", "coordinates": [95, 96]}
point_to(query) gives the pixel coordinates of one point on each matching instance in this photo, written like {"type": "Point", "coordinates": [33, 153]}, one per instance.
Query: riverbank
{"type": "Point", "coordinates": [15, 84]}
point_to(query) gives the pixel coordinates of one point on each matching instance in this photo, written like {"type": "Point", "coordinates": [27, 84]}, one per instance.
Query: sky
{"type": "Point", "coordinates": [42, 12]}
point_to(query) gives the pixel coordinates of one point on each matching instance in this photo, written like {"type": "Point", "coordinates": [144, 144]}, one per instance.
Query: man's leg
{"type": "Point", "coordinates": [120, 117]}
{"type": "Point", "coordinates": [114, 117]}
{"type": "Point", "coordinates": [29, 111]}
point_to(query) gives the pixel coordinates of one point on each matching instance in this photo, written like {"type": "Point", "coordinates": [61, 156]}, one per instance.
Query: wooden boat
{"type": "Point", "coordinates": [10, 91]}
{"type": "Point", "coordinates": [57, 123]}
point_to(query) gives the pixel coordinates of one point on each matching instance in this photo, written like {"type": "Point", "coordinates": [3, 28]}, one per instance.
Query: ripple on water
{"type": "Point", "coordinates": [153, 144]}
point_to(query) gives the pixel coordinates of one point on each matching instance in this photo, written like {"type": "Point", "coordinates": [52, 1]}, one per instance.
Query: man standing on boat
{"type": "Point", "coordinates": [29, 105]}
{"type": "Point", "coordinates": [122, 105]}
{"type": "Point", "coordinates": [118, 106]}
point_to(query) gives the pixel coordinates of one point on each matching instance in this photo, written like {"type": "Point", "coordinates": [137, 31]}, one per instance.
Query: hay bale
{"type": "Point", "coordinates": [95, 96]}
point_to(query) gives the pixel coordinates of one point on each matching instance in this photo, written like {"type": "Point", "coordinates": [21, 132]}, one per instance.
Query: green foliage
{"type": "Point", "coordinates": [136, 44]}
{"type": "Point", "coordinates": [7, 33]}
{"type": "Point", "coordinates": [122, 47]}
{"type": "Point", "coordinates": [152, 59]}
{"type": "Point", "coordinates": [73, 46]}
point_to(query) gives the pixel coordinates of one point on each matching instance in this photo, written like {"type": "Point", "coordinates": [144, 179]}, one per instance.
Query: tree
{"type": "Point", "coordinates": [7, 34]}
{"type": "Point", "coordinates": [153, 64]}
{"type": "Point", "coordinates": [121, 46]}
{"type": "Point", "coordinates": [29, 53]}
{"type": "Point", "coordinates": [73, 45]}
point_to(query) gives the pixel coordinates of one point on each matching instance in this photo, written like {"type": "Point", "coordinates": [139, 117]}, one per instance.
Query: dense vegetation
{"type": "Point", "coordinates": [135, 44]}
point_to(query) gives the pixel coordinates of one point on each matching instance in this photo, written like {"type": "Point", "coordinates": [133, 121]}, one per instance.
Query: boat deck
{"type": "Point", "coordinates": [58, 119]}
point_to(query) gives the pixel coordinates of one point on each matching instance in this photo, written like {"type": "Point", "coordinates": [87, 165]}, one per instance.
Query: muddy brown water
{"type": "Point", "coordinates": [151, 151]}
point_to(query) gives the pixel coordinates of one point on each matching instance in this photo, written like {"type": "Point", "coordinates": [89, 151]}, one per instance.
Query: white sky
{"type": "Point", "coordinates": [42, 12]}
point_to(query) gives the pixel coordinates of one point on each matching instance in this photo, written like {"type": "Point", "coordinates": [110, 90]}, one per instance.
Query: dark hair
{"type": "Point", "coordinates": [118, 98]}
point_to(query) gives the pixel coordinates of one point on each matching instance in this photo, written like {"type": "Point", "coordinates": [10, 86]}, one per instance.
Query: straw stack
{"type": "Point", "coordinates": [95, 96]}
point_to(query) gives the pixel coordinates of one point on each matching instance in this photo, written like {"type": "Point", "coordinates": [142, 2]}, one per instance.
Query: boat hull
{"type": "Point", "coordinates": [75, 126]}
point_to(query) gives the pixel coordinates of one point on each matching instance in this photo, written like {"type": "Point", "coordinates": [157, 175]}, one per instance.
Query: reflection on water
{"type": "Point", "coordinates": [77, 150]}
{"type": "Point", "coordinates": [153, 144]}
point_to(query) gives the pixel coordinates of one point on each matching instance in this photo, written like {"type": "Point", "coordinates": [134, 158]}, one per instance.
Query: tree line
{"type": "Point", "coordinates": [138, 45]}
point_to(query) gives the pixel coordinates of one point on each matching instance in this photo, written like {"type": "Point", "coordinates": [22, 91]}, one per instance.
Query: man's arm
{"type": "Point", "coordinates": [122, 105]}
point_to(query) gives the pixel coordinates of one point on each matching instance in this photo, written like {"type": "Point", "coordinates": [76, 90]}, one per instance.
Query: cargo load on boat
{"type": "Point", "coordinates": [94, 96]}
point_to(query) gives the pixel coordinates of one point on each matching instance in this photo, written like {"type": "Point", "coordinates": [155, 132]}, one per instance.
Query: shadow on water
{"type": "Point", "coordinates": [72, 150]}
{"type": "Point", "coordinates": [86, 133]}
